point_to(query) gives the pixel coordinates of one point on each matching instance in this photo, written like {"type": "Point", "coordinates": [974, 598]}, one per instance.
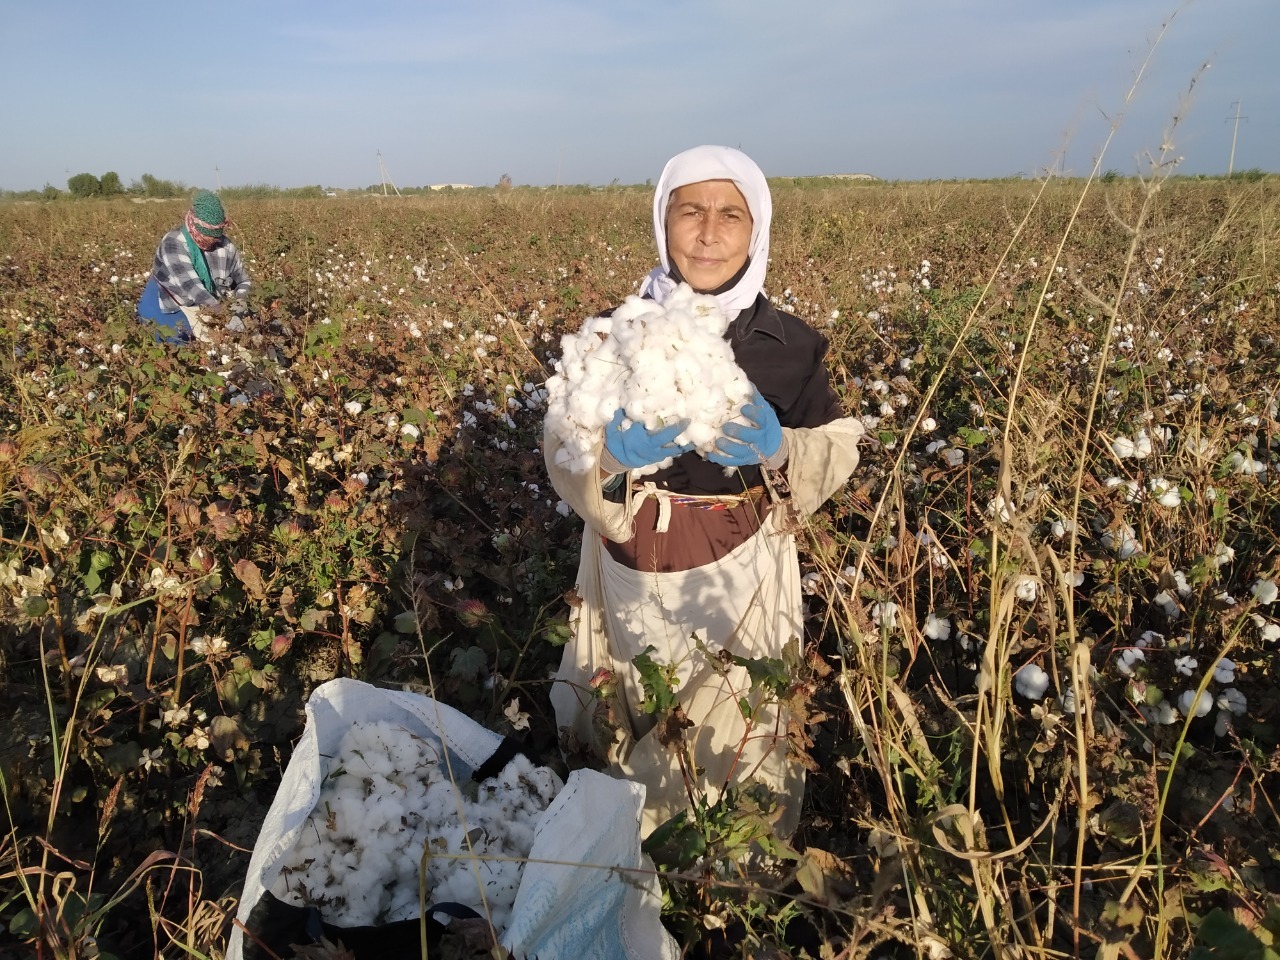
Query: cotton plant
{"type": "Point", "coordinates": [388, 797]}
{"type": "Point", "coordinates": [658, 363]}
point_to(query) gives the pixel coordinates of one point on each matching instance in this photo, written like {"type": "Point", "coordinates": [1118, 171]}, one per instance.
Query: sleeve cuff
{"type": "Point", "coordinates": [779, 457]}
{"type": "Point", "coordinates": [608, 464]}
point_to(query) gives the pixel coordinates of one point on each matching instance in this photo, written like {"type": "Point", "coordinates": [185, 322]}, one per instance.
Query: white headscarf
{"type": "Point", "coordinates": [714, 163]}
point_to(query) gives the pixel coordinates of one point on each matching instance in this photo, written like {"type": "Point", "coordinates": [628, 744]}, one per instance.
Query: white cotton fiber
{"type": "Point", "coordinates": [660, 363]}
{"type": "Point", "coordinates": [386, 799]}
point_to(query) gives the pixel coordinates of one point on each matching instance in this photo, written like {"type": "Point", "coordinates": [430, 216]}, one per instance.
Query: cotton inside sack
{"type": "Point", "coordinates": [389, 795]}
{"type": "Point", "coordinates": [586, 891]}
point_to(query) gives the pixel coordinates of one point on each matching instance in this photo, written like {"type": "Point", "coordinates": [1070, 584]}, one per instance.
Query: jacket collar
{"type": "Point", "coordinates": [760, 317]}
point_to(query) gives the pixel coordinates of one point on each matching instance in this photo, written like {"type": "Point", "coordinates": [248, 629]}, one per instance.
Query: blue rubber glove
{"type": "Point", "coordinates": [634, 446]}
{"type": "Point", "coordinates": [746, 444]}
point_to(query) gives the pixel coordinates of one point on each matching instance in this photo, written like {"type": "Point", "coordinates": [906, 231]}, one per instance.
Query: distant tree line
{"type": "Point", "coordinates": [85, 186]}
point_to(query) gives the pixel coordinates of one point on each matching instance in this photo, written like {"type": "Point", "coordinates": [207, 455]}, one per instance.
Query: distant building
{"type": "Point", "coordinates": [452, 186]}
{"type": "Point", "coordinates": [853, 176]}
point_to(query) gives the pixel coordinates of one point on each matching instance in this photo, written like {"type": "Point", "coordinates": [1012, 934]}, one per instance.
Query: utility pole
{"type": "Point", "coordinates": [382, 171]}
{"type": "Point", "coordinates": [1231, 164]}
{"type": "Point", "coordinates": [217, 176]}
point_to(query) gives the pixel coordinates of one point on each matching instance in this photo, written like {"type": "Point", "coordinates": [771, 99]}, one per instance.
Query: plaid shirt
{"type": "Point", "coordinates": [180, 284]}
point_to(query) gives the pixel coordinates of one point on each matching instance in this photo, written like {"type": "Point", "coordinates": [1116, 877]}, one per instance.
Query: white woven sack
{"type": "Point", "coordinates": [600, 896]}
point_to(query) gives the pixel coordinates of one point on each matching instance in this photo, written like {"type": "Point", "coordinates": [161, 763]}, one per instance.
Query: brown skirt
{"type": "Point", "coordinates": [697, 534]}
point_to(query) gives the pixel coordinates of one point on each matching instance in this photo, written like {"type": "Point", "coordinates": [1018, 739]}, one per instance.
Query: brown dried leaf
{"type": "Point", "coordinates": [247, 572]}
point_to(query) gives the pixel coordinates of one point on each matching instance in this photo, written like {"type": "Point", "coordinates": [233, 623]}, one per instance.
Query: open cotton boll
{"type": "Point", "coordinates": [1031, 681]}
{"type": "Point", "coordinates": [659, 363]}
{"type": "Point", "coordinates": [1190, 704]}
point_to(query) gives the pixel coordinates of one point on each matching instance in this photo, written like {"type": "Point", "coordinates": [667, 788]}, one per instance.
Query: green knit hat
{"type": "Point", "coordinates": [207, 212]}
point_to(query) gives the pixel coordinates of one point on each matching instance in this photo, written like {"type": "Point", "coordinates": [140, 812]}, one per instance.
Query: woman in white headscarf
{"type": "Point", "coordinates": [698, 562]}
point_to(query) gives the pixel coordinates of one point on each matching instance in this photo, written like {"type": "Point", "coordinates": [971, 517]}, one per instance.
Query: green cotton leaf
{"type": "Point", "coordinates": [467, 663]}
{"type": "Point", "coordinates": [972, 437]}
{"type": "Point", "coordinates": [1220, 937]}
{"type": "Point", "coordinates": [658, 681]}
{"type": "Point", "coordinates": [418, 417]}
{"type": "Point", "coordinates": [767, 673]}
{"type": "Point", "coordinates": [744, 707]}
{"type": "Point", "coordinates": [557, 632]}
{"type": "Point", "coordinates": [120, 758]}
{"type": "Point", "coordinates": [406, 622]}
{"type": "Point", "coordinates": [312, 619]}
{"type": "Point", "coordinates": [24, 924]}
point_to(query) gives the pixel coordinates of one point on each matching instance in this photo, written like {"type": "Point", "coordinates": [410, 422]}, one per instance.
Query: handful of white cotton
{"type": "Point", "coordinates": [659, 363]}
{"type": "Point", "coordinates": [388, 797]}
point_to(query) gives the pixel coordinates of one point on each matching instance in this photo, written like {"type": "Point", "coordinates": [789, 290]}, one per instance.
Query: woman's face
{"type": "Point", "coordinates": [708, 232]}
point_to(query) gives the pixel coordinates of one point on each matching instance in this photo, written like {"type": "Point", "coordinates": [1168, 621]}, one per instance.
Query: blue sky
{"type": "Point", "coordinates": [290, 93]}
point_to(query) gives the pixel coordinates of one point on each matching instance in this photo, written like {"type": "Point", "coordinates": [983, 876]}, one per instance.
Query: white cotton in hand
{"type": "Point", "coordinates": [659, 363]}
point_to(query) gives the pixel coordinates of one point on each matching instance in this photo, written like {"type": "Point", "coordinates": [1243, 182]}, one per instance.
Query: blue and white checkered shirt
{"type": "Point", "coordinates": [180, 284]}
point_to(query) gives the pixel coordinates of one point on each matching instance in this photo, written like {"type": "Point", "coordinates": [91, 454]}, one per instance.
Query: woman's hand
{"type": "Point", "coordinates": [633, 447]}
{"type": "Point", "coordinates": [757, 441]}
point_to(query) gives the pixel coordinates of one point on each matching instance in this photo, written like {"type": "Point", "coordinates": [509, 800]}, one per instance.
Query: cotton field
{"type": "Point", "coordinates": [1036, 690]}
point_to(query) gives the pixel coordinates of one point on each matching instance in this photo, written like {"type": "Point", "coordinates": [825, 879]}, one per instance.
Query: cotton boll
{"type": "Point", "coordinates": [1265, 592]}
{"type": "Point", "coordinates": [936, 628]}
{"type": "Point", "coordinates": [1123, 541]}
{"type": "Point", "coordinates": [1222, 725]}
{"type": "Point", "coordinates": [1166, 494]}
{"type": "Point", "coordinates": [1162, 713]}
{"type": "Point", "coordinates": [1128, 660]}
{"type": "Point", "coordinates": [885, 615]}
{"type": "Point", "coordinates": [1225, 671]}
{"type": "Point", "coordinates": [1031, 681]}
{"type": "Point", "coordinates": [1166, 603]}
{"type": "Point", "coordinates": [1233, 701]}
{"type": "Point", "coordinates": [1190, 704]}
